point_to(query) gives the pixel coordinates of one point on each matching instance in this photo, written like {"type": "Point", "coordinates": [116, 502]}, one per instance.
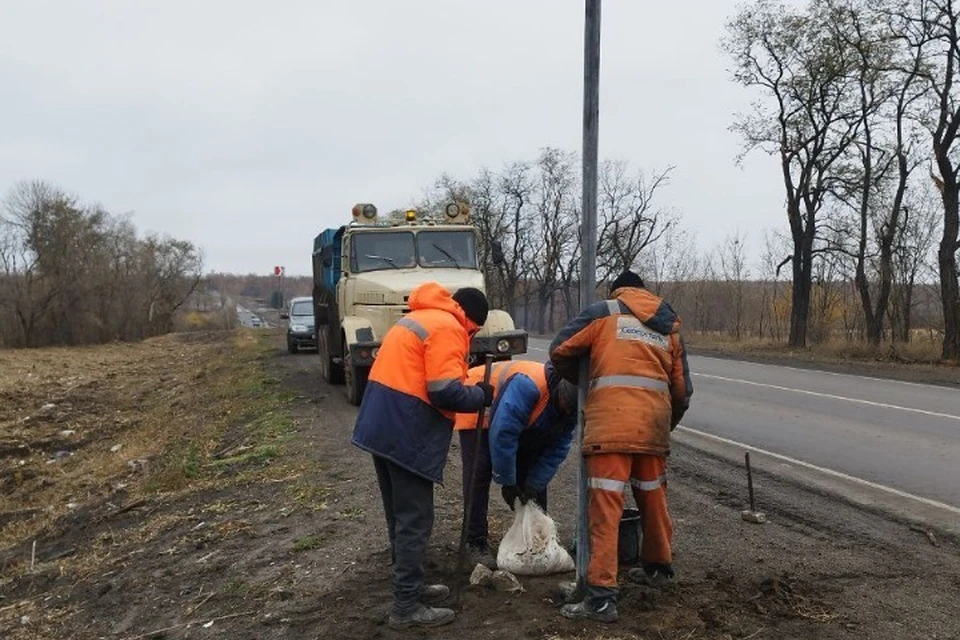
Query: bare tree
{"type": "Point", "coordinates": [29, 209]}
{"type": "Point", "coordinates": [700, 310]}
{"type": "Point", "coordinates": [802, 74]}
{"type": "Point", "coordinates": [827, 295]}
{"type": "Point", "coordinates": [516, 187]}
{"type": "Point", "coordinates": [73, 274]}
{"type": "Point", "coordinates": [25, 296]}
{"type": "Point", "coordinates": [173, 269]}
{"type": "Point", "coordinates": [530, 210]}
{"type": "Point", "coordinates": [732, 255]}
{"type": "Point", "coordinates": [557, 190]}
{"type": "Point", "coordinates": [929, 28]}
{"type": "Point", "coordinates": [501, 206]}
{"type": "Point", "coordinates": [872, 182]}
{"type": "Point", "coordinates": [671, 263]}
{"type": "Point", "coordinates": [912, 256]}
{"type": "Point", "coordinates": [630, 221]}
{"type": "Point", "coordinates": [570, 269]}
{"type": "Point", "coordinates": [774, 306]}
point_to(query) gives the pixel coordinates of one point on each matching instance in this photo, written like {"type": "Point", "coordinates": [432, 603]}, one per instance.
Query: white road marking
{"type": "Point", "coordinates": [807, 465]}
{"type": "Point", "coordinates": [824, 470]}
{"type": "Point", "coordinates": [816, 371]}
{"type": "Point", "coordinates": [827, 373]}
{"type": "Point", "coordinates": [829, 395]}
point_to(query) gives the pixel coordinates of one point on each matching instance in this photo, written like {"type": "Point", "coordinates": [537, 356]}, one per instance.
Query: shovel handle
{"type": "Point", "coordinates": [471, 479]}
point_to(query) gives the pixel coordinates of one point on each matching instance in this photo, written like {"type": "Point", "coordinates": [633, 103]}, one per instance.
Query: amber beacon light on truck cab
{"type": "Point", "coordinates": [364, 271]}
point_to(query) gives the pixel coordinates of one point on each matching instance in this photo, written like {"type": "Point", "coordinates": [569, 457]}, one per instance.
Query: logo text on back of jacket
{"type": "Point", "coordinates": [630, 328]}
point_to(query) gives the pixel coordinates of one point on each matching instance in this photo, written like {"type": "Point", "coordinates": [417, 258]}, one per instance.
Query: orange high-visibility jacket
{"type": "Point", "coordinates": [416, 385]}
{"type": "Point", "coordinates": [500, 373]}
{"type": "Point", "coordinates": [640, 384]}
{"type": "Point", "coordinates": [525, 417]}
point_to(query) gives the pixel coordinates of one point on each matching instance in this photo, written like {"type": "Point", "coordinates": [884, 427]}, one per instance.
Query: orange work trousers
{"type": "Point", "coordinates": [608, 476]}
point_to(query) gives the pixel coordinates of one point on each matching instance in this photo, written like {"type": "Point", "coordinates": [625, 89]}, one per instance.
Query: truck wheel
{"type": "Point", "coordinates": [330, 370]}
{"type": "Point", "coordinates": [291, 346]}
{"type": "Point", "coordinates": [355, 378]}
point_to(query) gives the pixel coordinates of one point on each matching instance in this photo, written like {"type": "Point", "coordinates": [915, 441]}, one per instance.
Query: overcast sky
{"type": "Point", "coordinates": [248, 127]}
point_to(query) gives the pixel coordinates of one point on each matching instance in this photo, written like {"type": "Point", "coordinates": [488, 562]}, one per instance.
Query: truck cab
{"type": "Point", "coordinates": [364, 273]}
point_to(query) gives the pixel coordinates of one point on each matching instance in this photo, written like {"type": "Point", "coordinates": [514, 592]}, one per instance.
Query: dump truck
{"type": "Point", "coordinates": [364, 272]}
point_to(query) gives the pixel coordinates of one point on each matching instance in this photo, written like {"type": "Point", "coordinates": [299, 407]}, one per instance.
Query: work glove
{"type": "Point", "coordinates": [487, 393]}
{"type": "Point", "coordinates": [510, 493]}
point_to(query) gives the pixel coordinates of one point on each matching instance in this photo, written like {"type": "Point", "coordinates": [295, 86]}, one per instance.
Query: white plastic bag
{"type": "Point", "coordinates": [530, 546]}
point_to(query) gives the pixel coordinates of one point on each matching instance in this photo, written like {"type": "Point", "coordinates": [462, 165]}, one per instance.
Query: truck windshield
{"type": "Point", "coordinates": [302, 309]}
{"type": "Point", "coordinates": [378, 250]}
{"type": "Point", "coordinates": [456, 249]}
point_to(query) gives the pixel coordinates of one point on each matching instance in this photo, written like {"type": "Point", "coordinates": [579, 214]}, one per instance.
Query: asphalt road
{"type": "Point", "coordinates": [900, 435]}
{"type": "Point", "coordinates": [248, 318]}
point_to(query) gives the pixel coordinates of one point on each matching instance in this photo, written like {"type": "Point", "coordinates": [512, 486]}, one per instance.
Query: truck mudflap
{"type": "Point", "coordinates": [362, 354]}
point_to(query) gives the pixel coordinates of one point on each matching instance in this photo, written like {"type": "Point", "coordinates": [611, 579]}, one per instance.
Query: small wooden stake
{"type": "Point", "coordinates": [751, 514]}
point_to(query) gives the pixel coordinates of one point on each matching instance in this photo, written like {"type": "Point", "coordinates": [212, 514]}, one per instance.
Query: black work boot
{"type": "Point", "coordinates": [654, 575]}
{"type": "Point", "coordinates": [480, 554]}
{"type": "Point", "coordinates": [434, 594]}
{"type": "Point", "coordinates": [602, 609]}
{"type": "Point", "coordinates": [422, 616]}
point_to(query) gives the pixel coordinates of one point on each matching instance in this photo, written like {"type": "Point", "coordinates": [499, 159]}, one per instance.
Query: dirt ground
{"type": "Point", "coordinates": [251, 516]}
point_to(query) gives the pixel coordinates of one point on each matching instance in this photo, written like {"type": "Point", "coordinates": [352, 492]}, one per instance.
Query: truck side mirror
{"type": "Point", "coordinates": [496, 252]}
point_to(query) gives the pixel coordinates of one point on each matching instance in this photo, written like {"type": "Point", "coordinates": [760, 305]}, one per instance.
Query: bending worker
{"type": "Point", "coordinates": [531, 425]}
{"type": "Point", "coordinates": [639, 389]}
{"type": "Point", "coordinates": [415, 389]}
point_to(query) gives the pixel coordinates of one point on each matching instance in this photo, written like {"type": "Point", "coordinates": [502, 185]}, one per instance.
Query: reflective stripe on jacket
{"type": "Point", "coordinates": [500, 373]}
{"type": "Point", "coordinates": [524, 416]}
{"type": "Point", "coordinates": [416, 385]}
{"type": "Point", "coordinates": [640, 384]}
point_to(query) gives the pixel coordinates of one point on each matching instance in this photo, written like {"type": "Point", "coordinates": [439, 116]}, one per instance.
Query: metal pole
{"type": "Point", "coordinates": [588, 247]}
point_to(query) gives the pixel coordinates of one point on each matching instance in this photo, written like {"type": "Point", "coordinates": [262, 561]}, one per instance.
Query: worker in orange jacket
{"type": "Point", "coordinates": [415, 389]}
{"type": "Point", "coordinates": [639, 389]}
{"type": "Point", "coordinates": [526, 436]}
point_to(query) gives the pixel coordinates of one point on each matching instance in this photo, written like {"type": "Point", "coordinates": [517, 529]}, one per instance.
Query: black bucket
{"type": "Point", "coordinates": [628, 542]}
{"type": "Point", "coordinates": [630, 536]}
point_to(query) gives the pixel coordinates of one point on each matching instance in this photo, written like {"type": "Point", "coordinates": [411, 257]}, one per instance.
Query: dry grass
{"type": "Point", "coordinates": [147, 419]}
{"type": "Point", "coordinates": [193, 412]}
{"type": "Point", "coordinates": [921, 355]}
{"type": "Point", "coordinates": [921, 351]}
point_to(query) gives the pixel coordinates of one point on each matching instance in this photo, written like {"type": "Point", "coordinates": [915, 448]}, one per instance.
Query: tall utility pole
{"type": "Point", "coordinates": [588, 262]}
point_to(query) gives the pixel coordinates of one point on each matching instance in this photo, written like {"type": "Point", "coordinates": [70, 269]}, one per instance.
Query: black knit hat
{"type": "Point", "coordinates": [627, 279]}
{"type": "Point", "coordinates": [473, 303]}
